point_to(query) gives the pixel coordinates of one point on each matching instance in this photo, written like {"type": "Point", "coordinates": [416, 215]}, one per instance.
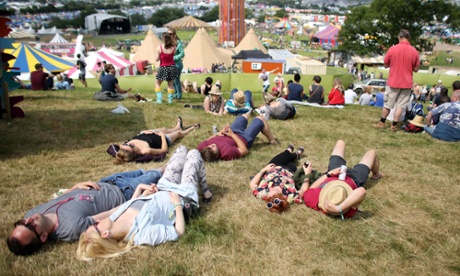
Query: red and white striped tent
{"type": "Point", "coordinates": [123, 66]}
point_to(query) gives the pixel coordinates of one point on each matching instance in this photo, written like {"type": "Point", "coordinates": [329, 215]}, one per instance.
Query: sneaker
{"type": "Point", "coordinates": [187, 105]}
{"type": "Point", "coordinates": [290, 147]}
{"type": "Point", "coordinates": [299, 152]}
{"type": "Point", "coordinates": [393, 128]}
{"type": "Point", "coordinates": [380, 125]}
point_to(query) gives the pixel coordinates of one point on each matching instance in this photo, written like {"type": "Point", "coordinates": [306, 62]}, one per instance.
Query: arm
{"type": "Point", "coordinates": [179, 52]}
{"type": "Point", "coordinates": [258, 177]}
{"type": "Point", "coordinates": [158, 54]}
{"type": "Point", "coordinates": [180, 221]}
{"type": "Point", "coordinates": [206, 105]}
{"type": "Point", "coordinates": [306, 182]}
{"type": "Point", "coordinates": [121, 91]}
{"type": "Point", "coordinates": [239, 143]}
{"type": "Point", "coordinates": [145, 190]}
{"type": "Point", "coordinates": [164, 146]}
{"type": "Point", "coordinates": [105, 214]}
{"type": "Point", "coordinates": [84, 186]}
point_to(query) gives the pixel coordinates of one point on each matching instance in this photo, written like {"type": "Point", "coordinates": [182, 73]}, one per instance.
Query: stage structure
{"type": "Point", "coordinates": [233, 27]}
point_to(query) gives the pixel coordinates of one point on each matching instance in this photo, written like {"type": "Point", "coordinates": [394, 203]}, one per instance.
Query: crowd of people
{"type": "Point", "coordinates": [150, 207]}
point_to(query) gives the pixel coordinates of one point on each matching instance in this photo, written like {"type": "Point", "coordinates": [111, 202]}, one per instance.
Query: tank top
{"type": "Point", "coordinates": [167, 59]}
{"type": "Point", "coordinates": [315, 97]}
{"type": "Point", "coordinates": [153, 140]}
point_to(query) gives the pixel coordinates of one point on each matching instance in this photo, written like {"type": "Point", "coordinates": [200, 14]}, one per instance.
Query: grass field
{"type": "Point", "coordinates": [409, 224]}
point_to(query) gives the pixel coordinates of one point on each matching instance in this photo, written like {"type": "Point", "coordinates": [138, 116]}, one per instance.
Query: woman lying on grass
{"type": "Point", "coordinates": [152, 141]}
{"type": "Point", "coordinates": [153, 218]}
{"type": "Point", "coordinates": [337, 197]}
{"type": "Point", "coordinates": [275, 182]}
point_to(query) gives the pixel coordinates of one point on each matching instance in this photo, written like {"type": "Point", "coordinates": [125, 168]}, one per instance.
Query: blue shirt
{"type": "Point", "coordinates": [231, 108]}
{"type": "Point", "coordinates": [108, 83]}
{"type": "Point", "coordinates": [295, 91]}
{"type": "Point", "coordinates": [448, 127]}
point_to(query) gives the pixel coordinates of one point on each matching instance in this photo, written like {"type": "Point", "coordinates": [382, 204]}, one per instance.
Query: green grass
{"type": "Point", "coordinates": [409, 224]}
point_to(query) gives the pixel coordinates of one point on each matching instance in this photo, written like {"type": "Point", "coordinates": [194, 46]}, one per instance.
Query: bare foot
{"type": "Point", "coordinates": [377, 176]}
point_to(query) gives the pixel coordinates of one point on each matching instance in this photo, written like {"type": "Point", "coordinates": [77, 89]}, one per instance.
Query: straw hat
{"type": "Point", "coordinates": [215, 90]}
{"type": "Point", "coordinates": [417, 121]}
{"type": "Point", "coordinates": [239, 98]}
{"type": "Point", "coordinates": [335, 192]}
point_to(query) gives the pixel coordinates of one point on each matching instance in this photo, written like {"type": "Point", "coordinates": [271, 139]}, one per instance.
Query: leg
{"type": "Point", "coordinates": [267, 132]}
{"type": "Point", "coordinates": [339, 149]}
{"type": "Point", "coordinates": [128, 181]}
{"type": "Point", "coordinates": [371, 160]}
{"type": "Point", "coordinates": [195, 173]}
{"type": "Point", "coordinates": [173, 171]}
{"type": "Point", "coordinates": [284, 158]}
{"type": "Point", "coordinates": [178, 134]}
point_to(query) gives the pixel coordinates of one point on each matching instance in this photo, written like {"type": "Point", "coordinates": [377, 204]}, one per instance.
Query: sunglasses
{"type": "Point", "coordinates": [97, 229]}
{"type": "Point", "coordinates": [276, 201]}
{"type": "Point", "coordinates": [129, 145]}
{"type": "Point", "coordinates": [28, 226]}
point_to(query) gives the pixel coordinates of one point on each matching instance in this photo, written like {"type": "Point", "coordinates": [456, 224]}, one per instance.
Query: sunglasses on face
{"type": "Point", "coordinates": [97, 229]}
{"type": "Point", "coordinates": [276, 201]}
{"type": "Point", "coordinates": [129, 145]}
{"type": "Point", "coordinates": [28, 226]}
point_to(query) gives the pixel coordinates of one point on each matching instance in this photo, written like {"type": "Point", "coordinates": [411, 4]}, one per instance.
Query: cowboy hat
{"type": "Point", "coordinates": [239, 98]}
{"type": "Point", "coordinates": [335, 192]}
{"type": "Point", "coordinates": [417, 121]}
{"type": "Point", "coordinates": [215, 90]}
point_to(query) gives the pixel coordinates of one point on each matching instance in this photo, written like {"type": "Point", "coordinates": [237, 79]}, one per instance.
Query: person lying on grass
{"type": "Point", "coordinates": [152, 219]}
{"type": "Point", "coordinates": [152, 141]}
{"type": "Point", "coordinates": [235, 140]}
{"type": "Point", "coordinates": [337, 197]}
{"type": "Point", "coordinates": [275, 183]}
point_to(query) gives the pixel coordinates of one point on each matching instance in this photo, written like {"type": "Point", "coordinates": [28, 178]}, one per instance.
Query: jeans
{"type": "Point", "coordinates": [430, 129]}
{"type": "Point", "coordinates": [247, 95]}
{"type": "Point", "coordinates": [177, 83]}
{"type": "Point", "coordinates": [128, 181]}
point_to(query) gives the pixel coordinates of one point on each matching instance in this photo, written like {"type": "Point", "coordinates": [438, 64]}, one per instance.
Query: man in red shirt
{"type": "Point", "coordinates": [41, 80]}
{"type": "Point", "coordinates": [403, 60]}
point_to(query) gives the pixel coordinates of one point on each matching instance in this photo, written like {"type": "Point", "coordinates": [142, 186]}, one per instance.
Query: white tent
{"type": "Point", "coordinates": [58, 39]}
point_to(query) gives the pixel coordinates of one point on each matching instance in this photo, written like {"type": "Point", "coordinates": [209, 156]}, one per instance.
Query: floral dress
{"type": "Point", "coordinates": [278, 176]}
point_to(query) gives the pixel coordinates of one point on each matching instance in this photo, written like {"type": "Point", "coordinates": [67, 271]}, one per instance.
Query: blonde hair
{"type": "Point", "coordinates": [92, 246]}
{"type": "Point", "coordinates": [124, 156]}
{"type": "Point", "coordinates": [338, 84]}
{"type": "Point", "coordinates": [59, 77]}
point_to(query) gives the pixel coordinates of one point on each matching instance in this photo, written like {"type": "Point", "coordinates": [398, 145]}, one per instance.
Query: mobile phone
{"type": "Point", "coordinates": [306, 163]}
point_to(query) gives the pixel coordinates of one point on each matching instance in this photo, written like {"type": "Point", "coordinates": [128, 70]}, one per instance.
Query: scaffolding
{"type": "Point", "coordinates": [233, 27]}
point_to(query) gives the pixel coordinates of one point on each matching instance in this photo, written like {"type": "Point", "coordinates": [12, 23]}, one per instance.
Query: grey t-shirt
{"type": "Point", "coordinates": [281, 111]}
{"type": "Point", "coordinates": [74, 209]}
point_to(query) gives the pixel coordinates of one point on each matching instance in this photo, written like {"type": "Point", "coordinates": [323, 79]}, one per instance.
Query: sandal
{"type": "Point", "coordinates": [196, 126]}
{"type": "Point", "coordinates": [274, 142]}
{"type": "Point", "coordinates": [207, 199]}
{"type": "Point", "coordinates": [290, 148]}
{"type": "Point", "coordinates": [179, 120]}
{"type": "Point", "coordinates": [299, 152]}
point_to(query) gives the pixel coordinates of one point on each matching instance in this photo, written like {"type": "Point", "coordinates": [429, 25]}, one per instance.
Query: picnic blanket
{"type": "Point", "coordinates": [315, 104]}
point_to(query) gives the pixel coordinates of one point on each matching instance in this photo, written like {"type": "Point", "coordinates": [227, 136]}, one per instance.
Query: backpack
{"type": "Point", "coordinates": [412, 128]}
{"type": "Point", "coordinates": [416, 109]}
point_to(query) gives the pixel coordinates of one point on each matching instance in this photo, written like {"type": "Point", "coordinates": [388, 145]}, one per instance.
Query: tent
{"type": "Point", "coordinates": [147, 49]}
{"type": "Point", "coordinates": [285, 24]}
{"type": "Point", "coordinates": [103, 23]}
{"type": "Point", "coordinates": [254, 54]}
{"type": "Point", "coordinates": [250, 42]}
{"type": "Point", "coordinates": [122, 66]}
{"type": "Point", "coordinates": [27, 57]}
{"type": "Point", "coordinates": [58, 39]}
{"type": "Point", "coordinates": [21, 34]}
{"type": "Point", "coordinates": [201, 53]}
{"type": "Point", "coordinates": [187, 22]}
{"type": "Point", "coordinates": [328, 35]}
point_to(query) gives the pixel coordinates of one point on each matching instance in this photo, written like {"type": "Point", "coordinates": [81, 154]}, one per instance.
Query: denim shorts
{"type": "Point", "coordinates": [359, 173]}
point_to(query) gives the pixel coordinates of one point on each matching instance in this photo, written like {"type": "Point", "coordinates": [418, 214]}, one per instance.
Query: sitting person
{"type": "Point", "coordinates": [443, 122]}
{"type": "Point", "coordinates": [275, 183]}
{"type": "Point", "coordinates": [61, 84]}
{"type": "Point", "coordinates": [379, 99]}
{"type": "Point", "coordinates": [277, 108]}
{"type": "Point", "coordinates": [285, 91]}
{"type": "Point", "coordinates": [150, 219]}
{"type": "Point", "coordinates": [295, 90]}
{"type": "Point", "coordinates": [40, 80]}
{"type": "Point", "coordinates": [206, 87]}
{"type": "Point", "coordinates": [336, 96]}
{"type": "Point", "coordinates": [366, 97]}
{"type": "Point", "coordinates": [110, 85]}
{"type": "Point", "coordinates": [316, 91]}
{"type": "Point", "coordinates": [214, 103]}
{"type": "Point", "coordinates": [350, 95]}
{"type": "Point", "coordinates": [318, 195]}
{"type": "Point", "coordinates": [190, 87]}
{"type": "Point", "coordinates": [234, 141]}
{"type": "Point", "coordinates": [64, 217]}
{"type": "Point", "coordinates": [152, 141]}
{"type": "Point", "coordinates": [239, 103]}
{"type": "Point", "coordinates": [440, 98]}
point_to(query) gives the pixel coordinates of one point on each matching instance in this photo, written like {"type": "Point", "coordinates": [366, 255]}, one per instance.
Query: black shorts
{"type": "Point", "coordinates": [359, 173]}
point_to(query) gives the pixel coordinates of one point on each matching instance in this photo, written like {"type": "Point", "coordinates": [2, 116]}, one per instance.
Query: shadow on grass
{"type": "Point", "coordinates": [65, 130]}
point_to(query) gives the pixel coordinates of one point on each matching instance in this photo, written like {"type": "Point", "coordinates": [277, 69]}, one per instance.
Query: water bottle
{"type": "Point", "coordinates": [343, 172]}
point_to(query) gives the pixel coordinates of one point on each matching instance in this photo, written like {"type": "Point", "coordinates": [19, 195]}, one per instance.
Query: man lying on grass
{"type": "Point", "coordinates": [234, 140]}
{"type": "Point", "coordinates": [67, 216]}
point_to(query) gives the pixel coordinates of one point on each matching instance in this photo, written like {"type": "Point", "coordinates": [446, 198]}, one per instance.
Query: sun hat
{"type": "Point", "coordinates": [417, 121]}
{"type": "Point", "coordinates": [335, 192]}
{"type": "Point", "coordinates": [239, 98]}
{"type": "Point", "coordinates": [215, 90]}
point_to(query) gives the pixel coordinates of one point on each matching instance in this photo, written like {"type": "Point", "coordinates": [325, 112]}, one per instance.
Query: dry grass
{"type": "Point", "coordinates": [409, 225]}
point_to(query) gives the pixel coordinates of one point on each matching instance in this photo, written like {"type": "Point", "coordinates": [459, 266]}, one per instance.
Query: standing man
{"type": "Point", "coordinates": [81, 65]}
{"type": "Point", "coordinates": [264, 78]}
{"type": "Point", "coordinates": [178, 57]}
{"type": "Point", "coordinates": [403, 60]}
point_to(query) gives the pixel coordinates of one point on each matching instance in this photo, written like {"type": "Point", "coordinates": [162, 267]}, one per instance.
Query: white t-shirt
{"type": "Point", "coordinates": [350, 96]}
{"type": "Point", "coordinates": [265, 78]}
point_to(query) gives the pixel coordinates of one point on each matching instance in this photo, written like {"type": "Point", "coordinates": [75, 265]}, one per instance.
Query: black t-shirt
{"type": "Point", "coordinates": [108, 83]}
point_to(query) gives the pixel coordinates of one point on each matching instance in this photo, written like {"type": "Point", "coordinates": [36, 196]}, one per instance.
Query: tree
{"type": "Point", "coordinates": [261, 18]}
{"type": "Point", "coordinates": [375, 28]}
{"type": "Point", "coordinates": [281, 13]}
{"type": "Point", "coordinates": [211, 15]}
{"type": "Point", "coordinates": [166, 15]}
{"type": "Point", "coordinates": [138, 19]}
{"type": "Point", "coordinates": [248, 14]}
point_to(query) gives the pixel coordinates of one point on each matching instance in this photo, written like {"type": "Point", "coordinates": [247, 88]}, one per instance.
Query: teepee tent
{"type": "Point", "coordinates": [187, 22]}
{"type": "Point", "coordinates": [147, 50]}
{"type": "Point", "coordinates": [200, 53]}
{"type": "Point", "coordinates": [285, 24]}
{"type": "Point", "coordinates": [250, 42]}
{"type": "Point", "coordinates": [27, 57]}
{"type": "Point", "coordinates": [58, 39]}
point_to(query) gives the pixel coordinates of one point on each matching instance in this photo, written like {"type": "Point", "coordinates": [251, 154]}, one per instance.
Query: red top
{"type": "Point", "coordinates": [167, 59]}
{"type": "Point", "coordinates": [336, 97]}
{"type": "Point", "coordinates": [38, 79]}
{"type": "Point", "coordinates": [402, 59]}
{"type": "Point", "coordinates": [311, 196]}
{"type": "Point", "coordinates": [228, 149]}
